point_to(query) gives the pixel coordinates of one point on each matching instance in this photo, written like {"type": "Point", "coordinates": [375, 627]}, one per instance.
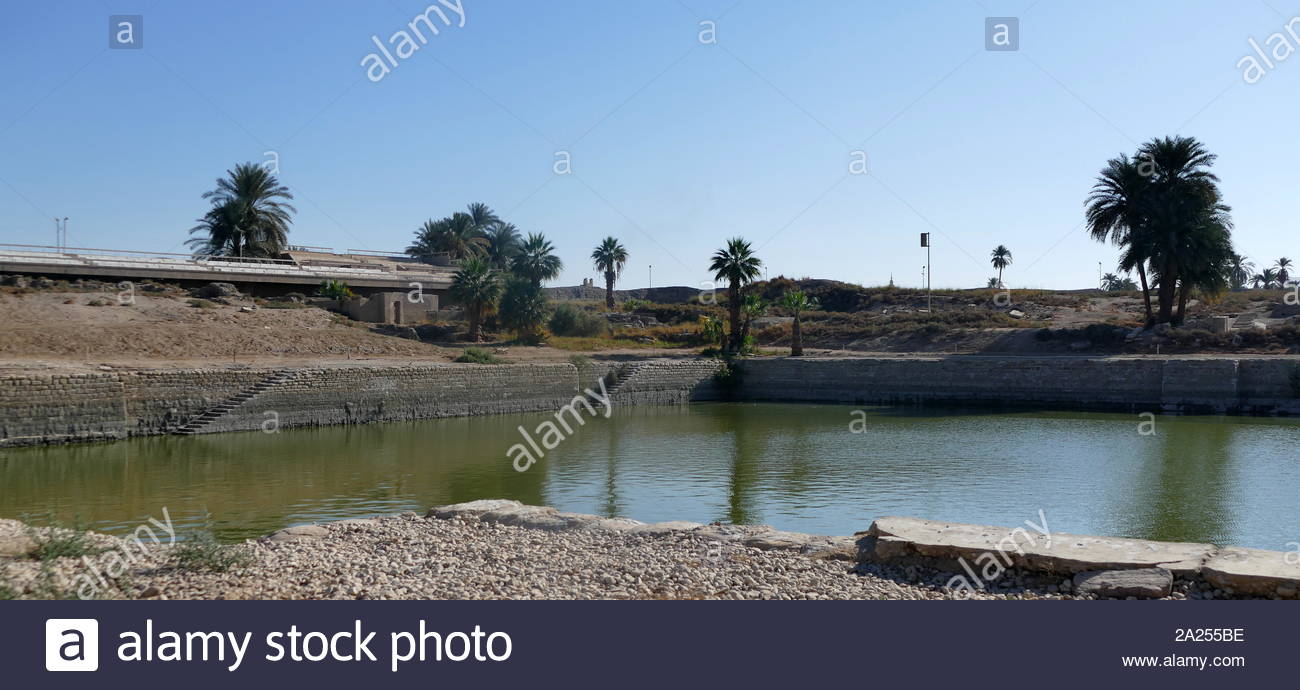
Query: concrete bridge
{"type": "Point", "coordinates": [297, 270]}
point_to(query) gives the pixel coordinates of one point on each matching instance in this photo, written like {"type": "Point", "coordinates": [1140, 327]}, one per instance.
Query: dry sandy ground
{"type": "Point", "coordinates": [43, 331]}
{"type": "Point", "coordinates": [59, 327]}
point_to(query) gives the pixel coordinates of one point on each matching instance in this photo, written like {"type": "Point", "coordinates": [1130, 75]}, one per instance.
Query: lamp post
{"type": "Point", "coordinates": [651, 279]}
{"type": "Point", "coordinates": [925, 242]}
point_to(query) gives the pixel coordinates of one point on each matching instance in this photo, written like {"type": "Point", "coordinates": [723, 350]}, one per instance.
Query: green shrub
{"type": "Point", "coordinates": [478, 355]}
{"type": "Point", "coordinates": [569, 320]}
{"type": "Point", "coordinates": [335, 289]}
{"type": "Point", "coordinates": [727, 376]}
{"type": "Point", "coordinates": [202, 304]}
{"type": "Point", "coordinates": [524, 309]}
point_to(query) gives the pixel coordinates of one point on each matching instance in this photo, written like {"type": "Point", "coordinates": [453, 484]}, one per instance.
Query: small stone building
{"type": "Point", "coordinates": [391, 307]}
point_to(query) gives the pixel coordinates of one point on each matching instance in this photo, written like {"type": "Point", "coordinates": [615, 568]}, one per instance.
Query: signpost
{"type": "Point", "coordinates": [925, 242]}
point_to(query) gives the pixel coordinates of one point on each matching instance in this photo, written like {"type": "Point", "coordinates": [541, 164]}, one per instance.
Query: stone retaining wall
{"type": "Point", "coordinates": [89, 407]}
{"type": "Point", "coordinates": [111, 405]}
{"type": "Point", "coordinates": [1192, 385]}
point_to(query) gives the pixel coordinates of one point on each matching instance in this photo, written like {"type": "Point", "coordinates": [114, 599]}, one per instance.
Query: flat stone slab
{"type": "Point", "coordinates": [471, 508]}
{"type": "Point", "coordinates": [659, 529]}
{"type": "Point", "coordinates": [899, 539]}
{"type": "Point", "coordinates": [1254, 571]}
{"type": "Point", "coordinates": [299, 533]}
{"type": "Point", "coordinates": [1237, 570]}
{"type": "Point", "coordinates": [15, 542]}
{"type": "Point", "coordinates": [1143, 583]}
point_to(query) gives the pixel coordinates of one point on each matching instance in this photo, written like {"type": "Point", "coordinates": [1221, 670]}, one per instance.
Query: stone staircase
{"type": "Point", "coordinates": [625, 372]}
{"type": "Point", "coordinates": [199, 423]}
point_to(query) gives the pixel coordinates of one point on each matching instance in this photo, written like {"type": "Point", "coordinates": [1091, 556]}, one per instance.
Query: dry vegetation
{"type": "Point", "coordinates": [85, 322]}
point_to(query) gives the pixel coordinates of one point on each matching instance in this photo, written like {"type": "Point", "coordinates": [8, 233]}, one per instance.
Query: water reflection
{"type": "Point", "coordinates": [797, 467]}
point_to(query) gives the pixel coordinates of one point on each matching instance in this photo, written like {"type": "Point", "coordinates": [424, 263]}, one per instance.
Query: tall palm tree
{"type": "Point", "coordinates": [1184, 201]}
{"type": "Point", "coordinates": [1239, 271]}
{"type": "Point", "coordinates": [797, 302]}
{"type": "Point", "coordinates": [1283, 267]}
{"type": "Point", "coordinates": [609, 257]}
{"type": "Point", "coordinates": [1114, 212]}
{"type": "Point", "coordinates": [1001, 259]}
{"type": "Point", "coordinates": [250, 215]}
{"type": "Point", "coordinates": [502, 244]}
{"type": "Point", "coordinates": [536, 260]}
{"type": "Point", "coordinates": [476, 287]}
{"type": "Point", "coordinates": [736, 264]}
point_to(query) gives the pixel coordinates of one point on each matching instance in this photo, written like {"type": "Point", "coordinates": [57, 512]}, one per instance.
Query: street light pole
{"type": "Point", "coordinates": [925, 242]}
{"type": "Point", "coordinates": [651, 279]}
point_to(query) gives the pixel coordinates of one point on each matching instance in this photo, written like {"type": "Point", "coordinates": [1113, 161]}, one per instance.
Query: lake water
{"type": "Point", "coordinates": [1225, 480]}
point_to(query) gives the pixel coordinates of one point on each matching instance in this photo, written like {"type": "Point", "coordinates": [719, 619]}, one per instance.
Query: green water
{"type": "Point", "coordinates": [798, 467]}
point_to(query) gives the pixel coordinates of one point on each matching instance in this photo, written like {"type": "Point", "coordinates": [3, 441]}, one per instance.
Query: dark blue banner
{"type": "Point", "coordinates": [646, 644]}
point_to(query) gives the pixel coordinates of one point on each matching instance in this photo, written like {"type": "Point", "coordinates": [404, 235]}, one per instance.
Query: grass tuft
{"type": "Point", "coordinates": [202, 553]}
{"type": "Point", "coordinates": [478, 355]}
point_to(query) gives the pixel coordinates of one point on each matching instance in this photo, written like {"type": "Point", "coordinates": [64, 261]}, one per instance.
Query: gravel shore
{"type": "Point", "coordinates": [458, 555]}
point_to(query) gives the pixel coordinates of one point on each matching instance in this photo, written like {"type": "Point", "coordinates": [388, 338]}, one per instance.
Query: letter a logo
{"type": "Point", "coordinates": [72, 644]}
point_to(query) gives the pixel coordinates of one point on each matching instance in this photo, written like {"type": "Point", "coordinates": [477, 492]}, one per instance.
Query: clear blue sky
{"type": "Point", "coordinates": [675, 145]}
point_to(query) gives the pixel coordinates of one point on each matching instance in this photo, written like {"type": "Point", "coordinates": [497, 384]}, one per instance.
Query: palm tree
{"type": "Point", "coordinates": [1184, 213]}
{"type": "Point", "coordinates": [797, 302]}
{"type": "Point", "coordinates": [502, 244]}
{"type": "Point", "coordinates": [1169, 220]}
{"type": "Point", "coordinates": [1001, 259]}
{"type": "Point", "coordinates": [481, 216]}
{"type": "Point", "coordinates": [523, 309]}
{"type": "Point", "coordinates": [476, 287]}
{"type": "Point", "coordinates": [1283, 267]}
{"type": "Point", "coordinates": [219, 232]}
{"type": "Point", "coordinates": [752, 308]}
{"type": "Point", "coordinates": [456, 236]}
{"type": "Point", "coordinates": [736, 264]}
{"type": "Point", "coordinates": [1239, 268]}
{"type": "Point", "coordinates": [536, 260]}
{"type": "Point", "coordinates": [249, 217]}
{"type": "Point", "coordinates": [1264, 280]}
{"type": "Point", "coordinates": [1115, 213]}
{"type": "Point", "coordinates": [609, 257]}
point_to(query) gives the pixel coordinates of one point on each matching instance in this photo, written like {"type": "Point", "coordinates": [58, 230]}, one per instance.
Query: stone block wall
{"type": "Point", "coordinates": [58, 408]}
{"type": "Point", "coordinates": [1168, 384]}
{"type": "Point", "coordinates": [111, 405]}
{"type": "Point", "coordinates": [668, 382]}
{"type": "Point", "coordinates": [357, 395]}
